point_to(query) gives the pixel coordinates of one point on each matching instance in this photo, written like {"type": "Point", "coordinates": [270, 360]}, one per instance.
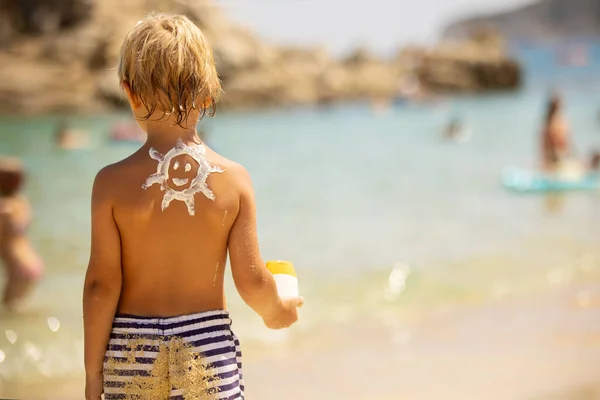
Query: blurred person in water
{"type": "Point", "coordinates": [556, 146]}
{"type": "Point", "coordinates": [67, 138]}
{"type": "Point", "coordinates": [595, 162]}
{"type": "Point", "coordinates": [127, 132]}
{"type": "Point", "coordinates": [22, 264]}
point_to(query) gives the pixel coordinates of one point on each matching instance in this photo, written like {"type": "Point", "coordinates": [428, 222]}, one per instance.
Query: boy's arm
{"type": "Point", "coordinates": [102, 286]}
{"type": "Point", "coordinates": [252, 279]}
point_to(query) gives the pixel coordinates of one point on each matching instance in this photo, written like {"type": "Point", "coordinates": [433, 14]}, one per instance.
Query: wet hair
{"type": "Point", "coordinates": [12, 176]}
{"type": "Point", "coordinates": [168, 64]}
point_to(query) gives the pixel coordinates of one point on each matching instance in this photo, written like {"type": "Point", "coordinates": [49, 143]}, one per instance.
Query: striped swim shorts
{"type": "Point", "coordinates": [194, 356]}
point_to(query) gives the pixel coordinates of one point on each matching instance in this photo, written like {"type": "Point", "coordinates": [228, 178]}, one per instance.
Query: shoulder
{"type": "Point", "coordinates": [236, 172]}
{"type": "Point", "coordinates": [106, 179]}
{"type": "Point", "coordinates": [106, 174]}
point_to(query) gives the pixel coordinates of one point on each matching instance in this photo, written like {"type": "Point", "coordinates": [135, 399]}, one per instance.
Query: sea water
{"type": "Point", "coordinates": [376, 211]}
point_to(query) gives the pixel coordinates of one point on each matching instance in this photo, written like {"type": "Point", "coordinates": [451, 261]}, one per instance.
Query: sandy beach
{"type": "Point", "coordinates": [538, 347]}
{"type": "Point", "coordinates": [542, 346]}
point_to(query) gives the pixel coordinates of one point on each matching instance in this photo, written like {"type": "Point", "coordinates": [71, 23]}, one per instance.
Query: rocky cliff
{"type": "Point", "coordinates": [543, 19]}
{"type": "Point", "coordinates": [60, 56]}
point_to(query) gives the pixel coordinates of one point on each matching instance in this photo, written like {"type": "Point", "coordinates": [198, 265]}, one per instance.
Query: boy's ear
{"type": "Point", "coordinates": [133, 99]}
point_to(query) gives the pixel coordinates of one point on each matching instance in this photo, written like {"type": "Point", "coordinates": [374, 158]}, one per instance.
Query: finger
{"type": "Point", "coordinates": [299, 301]}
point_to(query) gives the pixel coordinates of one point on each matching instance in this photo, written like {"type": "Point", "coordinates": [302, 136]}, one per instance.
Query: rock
{"type": "Point", "coordinates": [61, 55]}
{"type": "Point", "coordinates": [42, 87]}
{"type": "Point", "coordinates": [309, 76]}
{"type": "Point", "coordinates": [109, 89]}
{"type": "Point", "coordinates": [48, 16]}
{"type": "Point", "coordinates": [540, 19]}
{"type": "Point", "coordinates": [359, 56]}
{"type": "Point", "coordinates": [334, 84]}
{"type": "Point", "coordinates": [455, 75]}
{"type": "Point", "coordinates": [269, 87]}
{"type": "Point", "coordinates": [477, 64]}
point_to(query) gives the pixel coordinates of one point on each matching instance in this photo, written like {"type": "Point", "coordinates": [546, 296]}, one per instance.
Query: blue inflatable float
{"type": "Point", "coordinates": [525, 181]}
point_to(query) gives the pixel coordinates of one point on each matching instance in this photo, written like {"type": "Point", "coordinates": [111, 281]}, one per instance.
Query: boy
{"type": "Point", "coordinates": [163, 220]}
{"type": "Point", "coordinates": [22, 263]}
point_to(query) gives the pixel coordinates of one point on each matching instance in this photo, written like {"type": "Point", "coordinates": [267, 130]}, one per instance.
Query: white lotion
{"type": "Point", "coordinates": [198, 182]}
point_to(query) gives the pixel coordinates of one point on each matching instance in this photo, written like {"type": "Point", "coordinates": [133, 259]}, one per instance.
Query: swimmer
{"type": "Point", "coordinates": [455, 131]}
{"type": "Point", "coordinates": [164, 221]}
{"type": "Point", "coordinates": [555, 137]}
{"type": "Point", "coordinates": [22, 264]}
{"type": "Point", "coordinates": [70, 139]}
{"type": "Point", "coordinates": [127, 132]}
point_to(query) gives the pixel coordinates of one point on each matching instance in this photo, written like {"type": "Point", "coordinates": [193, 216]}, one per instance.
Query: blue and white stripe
{"type": "Point", "coordinates": [208, 333]}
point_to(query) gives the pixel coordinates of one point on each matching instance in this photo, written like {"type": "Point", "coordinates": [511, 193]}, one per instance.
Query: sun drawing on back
{"type": "Point", "coordinates": [173, 187]}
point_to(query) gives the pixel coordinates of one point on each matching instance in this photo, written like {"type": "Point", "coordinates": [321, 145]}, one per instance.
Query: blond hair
{"type": "Point", "coordinates": [168, 64]}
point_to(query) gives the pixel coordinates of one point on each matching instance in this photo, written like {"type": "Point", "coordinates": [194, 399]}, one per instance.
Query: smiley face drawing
{"type": "Point", "coordinates": [186, 172]}
{"type": "Point", "coordinates": [188, 183]}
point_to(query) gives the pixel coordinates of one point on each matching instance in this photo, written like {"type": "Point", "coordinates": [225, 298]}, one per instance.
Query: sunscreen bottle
{"type": "Point", "coordinates": [285, 277]}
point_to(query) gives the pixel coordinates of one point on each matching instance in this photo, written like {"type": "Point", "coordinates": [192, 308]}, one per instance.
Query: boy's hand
{"type": "Point", "coordinates": [93, 387]}
{"type": "Point", "coordinates": [285, 314]}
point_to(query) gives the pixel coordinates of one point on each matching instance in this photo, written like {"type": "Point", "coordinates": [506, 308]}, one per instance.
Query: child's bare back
{"type": "Point", "coordinates": [172, 262]}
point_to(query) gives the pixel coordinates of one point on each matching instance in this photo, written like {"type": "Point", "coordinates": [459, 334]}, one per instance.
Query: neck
{"type": "Point", "coordinates": [166, 132]}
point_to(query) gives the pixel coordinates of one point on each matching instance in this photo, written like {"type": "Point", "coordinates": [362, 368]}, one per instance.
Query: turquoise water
{"type": "Point", "coordinates": [348, 195]}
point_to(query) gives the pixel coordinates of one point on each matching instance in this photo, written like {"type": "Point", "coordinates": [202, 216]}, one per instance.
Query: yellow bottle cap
{"type": "Point", "coordinates": [281, 267]}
